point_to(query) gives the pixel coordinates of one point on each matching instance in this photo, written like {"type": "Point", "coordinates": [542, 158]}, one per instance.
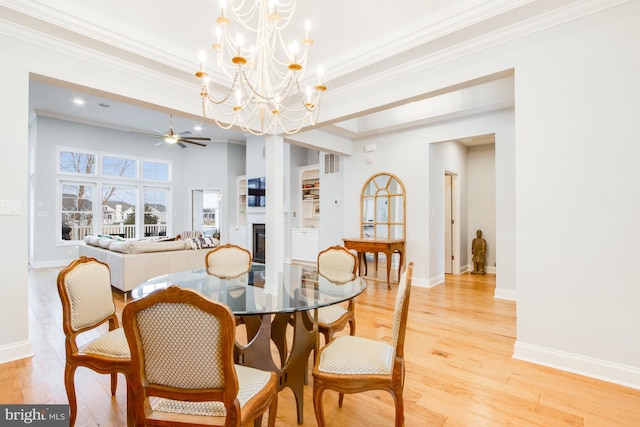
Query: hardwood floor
{"type": "Point", "coordinates": [459, 369]}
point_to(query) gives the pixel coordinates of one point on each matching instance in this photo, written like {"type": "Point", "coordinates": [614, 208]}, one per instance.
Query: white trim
{"type": "Point", "coordinates": [624, 375]}
{"type": "Point", "coordinates": [505, 294]}
{"type": "Point", "coordinates": [15, 351]}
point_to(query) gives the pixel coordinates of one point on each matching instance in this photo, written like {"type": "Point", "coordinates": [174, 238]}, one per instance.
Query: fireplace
{"type": "Point", "coordinates": [259, 243]}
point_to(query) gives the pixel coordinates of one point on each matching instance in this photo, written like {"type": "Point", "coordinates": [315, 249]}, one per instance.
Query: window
{"type": "Point", "coordinates": [157, 171]}
{"type": "Point", "coordinates": [118, 211]}
{"type": "Point", "coordinates": [77, 163]}
{"type": "Point", "coordinates": [108, 199]}
{"type": "Point", "coordinates": [77, 210]}
{"type": "Point", "coordinates": [114, 166]}
{"type": "Point", "coordinates": [155, 212]}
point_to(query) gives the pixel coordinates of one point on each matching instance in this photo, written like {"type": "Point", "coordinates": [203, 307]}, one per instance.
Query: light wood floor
{"type": "Point", "coordinates": [459, 369]}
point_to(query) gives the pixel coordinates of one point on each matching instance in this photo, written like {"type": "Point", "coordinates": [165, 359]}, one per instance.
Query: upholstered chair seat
{"type": "Point", "coordinates": [111, 344]}
{"type": "Point", "coordinates": [250, 382]}
{"type": "Point", "coordinates": [373, 357]}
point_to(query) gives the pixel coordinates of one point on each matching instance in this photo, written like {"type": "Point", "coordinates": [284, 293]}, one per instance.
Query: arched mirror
{"type": "Point", "coordinates": [382, 204]}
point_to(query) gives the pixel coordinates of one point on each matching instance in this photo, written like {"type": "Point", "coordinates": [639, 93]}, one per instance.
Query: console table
{"type": "Point", "coordinates": [363, 245]}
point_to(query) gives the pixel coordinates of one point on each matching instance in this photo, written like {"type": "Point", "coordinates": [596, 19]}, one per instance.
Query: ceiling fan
{"type": "Point", "coordinates": [171, 137]}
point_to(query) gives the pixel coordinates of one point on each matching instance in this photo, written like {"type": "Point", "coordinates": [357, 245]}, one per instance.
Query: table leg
{"type": "Point", "coordinates": [401, 261]}
{"type": "Point", "coordinates": [305, 338]}
{"type": "Point", "coordinates": [388, 255]}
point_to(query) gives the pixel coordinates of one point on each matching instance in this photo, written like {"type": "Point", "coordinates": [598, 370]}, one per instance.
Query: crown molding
{"type": "Point", "coordinates": [504, 35]}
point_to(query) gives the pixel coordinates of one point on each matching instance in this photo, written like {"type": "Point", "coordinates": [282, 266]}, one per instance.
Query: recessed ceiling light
{"type": "Point", "coordinates": [105, 105]}
{"type": "Point", "coordinates": [197, 127]}
{"type": "Point", "coordinates": [78, 101]}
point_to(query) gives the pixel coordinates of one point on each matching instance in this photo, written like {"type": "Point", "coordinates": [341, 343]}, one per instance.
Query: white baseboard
{"type": "Point", "coordinates": [15, 351]}
{"type": "Point", "coordinates": [507, 294]}
{"type": "Point", "coordinates": [54, 263]}
{"type": "Point", "coordinates": [627, 376]}
{"type": "Point", "coordinates": [435, 281]}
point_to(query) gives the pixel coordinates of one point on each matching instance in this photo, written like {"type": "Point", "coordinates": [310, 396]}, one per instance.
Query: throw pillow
{"type": "Point", "coordinates": [203, 242]}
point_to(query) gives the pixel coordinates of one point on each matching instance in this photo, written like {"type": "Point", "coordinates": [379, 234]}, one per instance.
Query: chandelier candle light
{"type": "Point", "coordinates": [264, 96]}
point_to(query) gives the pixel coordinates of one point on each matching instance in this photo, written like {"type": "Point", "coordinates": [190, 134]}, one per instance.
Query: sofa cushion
{"type": "Point", "coordinates": [122, 247]}
{"type": "Point", "coordinates": [105, 242]}
{"type": "Point", "coordinates": [144, 246]}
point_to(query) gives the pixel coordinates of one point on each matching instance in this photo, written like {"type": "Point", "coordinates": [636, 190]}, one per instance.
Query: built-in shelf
{"type": "Point", "coordinates": [241, 212]}
{"type": "Point", "coordinates": [310, 195]}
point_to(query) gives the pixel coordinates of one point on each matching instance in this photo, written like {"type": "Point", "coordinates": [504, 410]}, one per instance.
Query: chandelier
{"type": "Point", "coordinates": [264, 78]}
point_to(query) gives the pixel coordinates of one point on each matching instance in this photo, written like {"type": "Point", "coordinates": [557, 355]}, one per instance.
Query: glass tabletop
{"type": "Point", "coordinates": [298, 288]}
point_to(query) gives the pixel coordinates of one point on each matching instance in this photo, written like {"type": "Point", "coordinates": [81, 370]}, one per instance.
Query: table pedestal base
{"type": "Point", "coordinates": [261, 330]}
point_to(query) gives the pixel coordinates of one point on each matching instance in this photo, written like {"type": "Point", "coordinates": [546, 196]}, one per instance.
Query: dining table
{"type": "Point", "coordinates": [267, 302]}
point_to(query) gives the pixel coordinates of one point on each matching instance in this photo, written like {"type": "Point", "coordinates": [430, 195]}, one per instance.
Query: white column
{"type": "Point", "coordinates": [274, 207]}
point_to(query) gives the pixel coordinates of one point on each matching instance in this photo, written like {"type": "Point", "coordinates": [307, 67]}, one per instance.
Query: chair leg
{"type": "Point", "coordinates": [257, 422]}
{"type": "Point", "coordinates": [114, 383]}
{"type": "Point", "coordinates": [399, 401]}
{"type": "Point", "coordinates": [273, 410]}
{"type": "Point", "coordinates": [317, 403]}
{"type": "Point", "coordinates": [352, 326]}
{"type": "Point", "coordinates": [340, 399]}
{"type": "Point", "coordinates": [69, 373]}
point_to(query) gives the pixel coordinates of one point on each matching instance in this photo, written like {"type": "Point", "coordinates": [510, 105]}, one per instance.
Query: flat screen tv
{"type": "Point", "coordinates": [256, 191]}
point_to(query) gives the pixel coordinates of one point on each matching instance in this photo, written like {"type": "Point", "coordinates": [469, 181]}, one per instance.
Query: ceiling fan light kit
{"type": "Point", "coordinates": [261, 84]}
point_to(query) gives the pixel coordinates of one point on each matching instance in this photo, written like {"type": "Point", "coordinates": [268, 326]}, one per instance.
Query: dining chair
{"type": "Point", "coordinates": [337, 264]}
{"type": "Point", "coordinates": [182, 369]}
{"type": "Point", "coordinates": [352, 364]}
{"type": "Point", "coordinates": [228, 261]}
{"type": "Point", "coordinates": [84, 287]}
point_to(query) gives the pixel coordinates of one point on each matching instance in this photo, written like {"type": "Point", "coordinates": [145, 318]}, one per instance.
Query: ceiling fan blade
{"type": "Point", "coordinates": [160, 143]}
{"type": "Point", "coordinates": [193, 138]}
{"type": "Point", "coordinates": [146, 133]}
{"type": "Point", "coordinates": [192, 142]}
{"type": "Point", "coordinates": [181, 144]}
{"type": "Point", "coordinates": [186, 132]}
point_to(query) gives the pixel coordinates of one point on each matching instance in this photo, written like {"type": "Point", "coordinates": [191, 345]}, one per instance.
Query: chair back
{"type": "Point", "coordinates": [182, 349]}
{"type": "Point", "coordinates": [85, 291]}
{"type": "Point", "coordinates": [337, 263]}
{"type": "Point", "coordinates": [228, 261]}
{"type": "Point", "coordinates": [401, 310]}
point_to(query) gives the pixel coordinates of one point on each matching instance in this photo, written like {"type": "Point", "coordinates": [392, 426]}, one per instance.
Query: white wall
{"type": "Point", "coordinates": [481, 201]}
{"type": "Point", "coordinates": [577, 181]}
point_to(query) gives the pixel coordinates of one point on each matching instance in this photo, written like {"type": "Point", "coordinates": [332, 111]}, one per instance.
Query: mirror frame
{"type": "Point", "coordinates": [364, 197]}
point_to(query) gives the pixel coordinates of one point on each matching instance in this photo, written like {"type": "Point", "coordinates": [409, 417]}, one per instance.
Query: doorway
{"type": "Point", "coordinates": [205, 212]}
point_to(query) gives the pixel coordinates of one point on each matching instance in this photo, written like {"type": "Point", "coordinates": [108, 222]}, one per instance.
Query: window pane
{"type": "Point", "coordinates": [155, 212]}
{"type": "Point", "coordinates": [156, 171]}
{"type": "Point", "coordinates": [77, 211]}
{"type": "Point", "coordinates": [115, 166]}
{"type": "Point", "coordinates": [80, 163]}
{"type": "Point", "coordinates": [118, 211]}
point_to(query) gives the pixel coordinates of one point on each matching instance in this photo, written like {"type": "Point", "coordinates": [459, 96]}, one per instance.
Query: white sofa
{"type": "Point", "coordinates": [144, 259]}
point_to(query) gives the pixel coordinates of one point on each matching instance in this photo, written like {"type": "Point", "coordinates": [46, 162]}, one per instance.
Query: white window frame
{"type": "Point", "coordinates": [98, 181]}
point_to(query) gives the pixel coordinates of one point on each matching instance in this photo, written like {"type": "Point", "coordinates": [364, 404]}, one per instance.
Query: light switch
{"type": "Point", "coordinates": [9, 207]}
